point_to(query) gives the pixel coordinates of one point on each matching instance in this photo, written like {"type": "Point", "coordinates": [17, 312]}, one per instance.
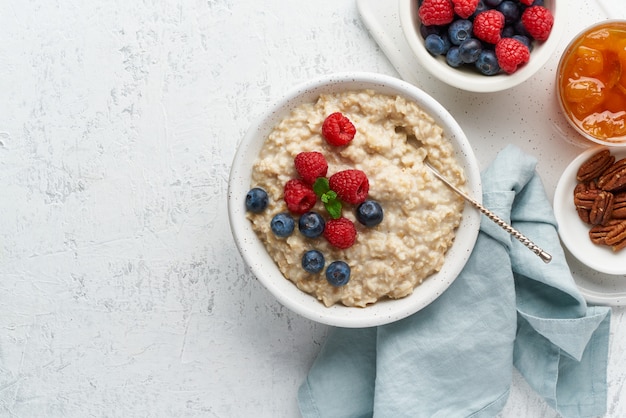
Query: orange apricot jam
{"type": "Point", "coordinates": [592, 82]}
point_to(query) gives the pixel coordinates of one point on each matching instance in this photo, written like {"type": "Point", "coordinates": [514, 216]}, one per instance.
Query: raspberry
{"type": "Point", "coordinates": [538, 22]}
{"type": "Point", "coordinates": [351, 186]}
{"type": "Point", "coordinates": [488, 26]}
{"type": "Point", "coordinates": [527, 2]}
{"type": "Point", "coordinates": [340, 233]}
{"type": "Point", "coordinates": [511, 53]}
{"type": "Point", "coordinates": [436, 12]}
{"type": "Point", "coordinates": [337, 129]}
{"type": "Point", "coordinates": [465, 8]}
{"type": "Point", "coordinates": [310, 166]}
{"type": "Point", "coordinates": [299, 196]}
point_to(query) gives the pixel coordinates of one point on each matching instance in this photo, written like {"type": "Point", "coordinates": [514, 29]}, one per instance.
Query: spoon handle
{"type": "Point", "coordinates": [495, 218]}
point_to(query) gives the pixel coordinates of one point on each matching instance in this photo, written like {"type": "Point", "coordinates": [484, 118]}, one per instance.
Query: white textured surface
{"type": "Point", "coordinates": [121, 291]}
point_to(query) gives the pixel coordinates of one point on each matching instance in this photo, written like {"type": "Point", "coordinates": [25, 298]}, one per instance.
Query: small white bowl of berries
{"type": "Point", "coordinates": [482, 46]}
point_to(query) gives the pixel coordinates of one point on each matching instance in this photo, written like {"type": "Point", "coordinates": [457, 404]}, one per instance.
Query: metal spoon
{"type": "Point", "coordinates": [508, 228]}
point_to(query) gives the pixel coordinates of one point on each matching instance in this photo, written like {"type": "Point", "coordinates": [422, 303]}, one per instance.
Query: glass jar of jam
{"type": "Point", "coordinates": [591, 83]}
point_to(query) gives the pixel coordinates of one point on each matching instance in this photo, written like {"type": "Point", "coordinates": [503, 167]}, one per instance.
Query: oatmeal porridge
{"type": "Point", "coordinates": [393, 138]}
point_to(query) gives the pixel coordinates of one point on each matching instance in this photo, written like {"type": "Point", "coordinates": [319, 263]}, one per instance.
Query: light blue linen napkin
{"type": "Point", "coordinates": [507, 308]}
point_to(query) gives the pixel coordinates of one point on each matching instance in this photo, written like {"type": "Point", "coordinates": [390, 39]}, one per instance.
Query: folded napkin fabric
{"type": "Point", "coordinates": [507, 308]}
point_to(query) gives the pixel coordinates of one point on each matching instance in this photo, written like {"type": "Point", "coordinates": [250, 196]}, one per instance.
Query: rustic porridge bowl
{"type": "Point", "coordinates": [574, 233]}
{"type": "Point", "coordinates": [467, 78]}
{"type": "Point", "coordinates": [263, 266]}
{"type": "Point", "coordinates": [591, 83]}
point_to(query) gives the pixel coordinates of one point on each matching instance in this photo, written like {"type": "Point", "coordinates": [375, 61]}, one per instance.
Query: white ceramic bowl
{"type": "Point", "coordinates": [262, 265]}
{"type": "Point", "coordinates": [574, 233]}
{"type": "Point", "coordinates": [467, 79]}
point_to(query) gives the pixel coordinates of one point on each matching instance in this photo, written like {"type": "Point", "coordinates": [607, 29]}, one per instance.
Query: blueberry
{"type": "Point", "coordinates": [469, 50]}
{"type": "Point", "coordinates": [510, 11]}
{"type": "Point", "coordinates": [313, 261]}
{"type": "Point", "coordinates": [453, 58]}
{"type": "Point", "coordinates": [256, 200]}
{"type": "Point", "coordinates": [437, 44]}
{"type": "Point", "coordinates": [282, 224]}
{"type": "Point", "coordinates": [459, 30]}
{"type": "Point", "coordinates": [338, 273]}
{"type": "Point", "coordinates": [492, 3]}
{"type": "Point", "coordinates": [525, 40]}
{"type": "Point", "coordinates": [520, 29]}
{"type": "Point", "coordinates": [311, 224]}
{"type": "Point", "coordinates": [487, 63]}
{"type": "Point", "coordinates": [369, 213]}
{"type": "Point", "coordinates": [429, 30]}
{"type": "Point", "coordinates": [480, 7]}
{"type": "Point", "coordinates": [508, 31]}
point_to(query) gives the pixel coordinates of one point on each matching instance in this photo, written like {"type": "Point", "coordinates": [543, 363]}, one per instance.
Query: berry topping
{"type": "Point", "coordinates": [492, 3]}
{"type": "Point", "coordinates": [488, 26]}
{"type": "Point", "coordinates": [453, 57]}
{"type": "Point", "coordinates": [282, 225]}
{"type": "Point", "coordinates": [299, 196]}
{"type": "Point", "coordinates": [487, 62]}
{"type": "Point", "coordinates": [510, 11]}
{"type": "Point", "coordinates": [437, 44]}
{"type": "Point", "coordinates": [256, 200]}
{"type": "Point", "coordinates": [337, 129]}
{"type": "Point", "coordinates": [340, 233]}
{"type": "Point", "coordinates": [313, 261]}
{"type": "Point", "coordinates": [482, 6]}
{"type": "Point", "coordinates": [369, 213]}
{"type": "Point", "coordinates": [310, 166]}
{"type": "Point", "coordinates": [477, 26]}
{"type": "Point", "coordinates": [338, 273]}
{"type": "Point", "coordinates": [351, 186]}
{"type": "Point", "coordinates": [459, 30]}
{"type": "Point", "coordinates": [511, 53]}
{"type": "Point", "coordinates": [470, 50]}
{"type": "Point", "coordinates": [464, 8]}
{"type": "Point", "coordinates": [538, 22]}
{"type": "Point", "coordinates": [311, 224]}
{"type": "Point", "coordinates": [436, 12]}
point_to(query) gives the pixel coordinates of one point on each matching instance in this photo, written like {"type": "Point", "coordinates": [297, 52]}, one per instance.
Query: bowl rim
{"type": "Point", "coordinates": [476, 82]}
{"type": "Point", "coordinates": [560, 100]}
{"type": "Point", "coordinates": [262, 265]}
{"type": "Point", "coordinates": [573, 231]}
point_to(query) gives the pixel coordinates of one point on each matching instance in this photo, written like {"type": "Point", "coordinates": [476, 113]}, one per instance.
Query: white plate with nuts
{"type": "Point", "coordinates": [590, 208]}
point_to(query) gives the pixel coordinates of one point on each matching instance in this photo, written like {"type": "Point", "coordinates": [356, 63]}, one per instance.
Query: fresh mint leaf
{"type": "Point", "coordinates": [321, 186]}
{"type": "Point", "coordinates": [328, 196]}
{"type": "Point", "coordinates": [334, 208]}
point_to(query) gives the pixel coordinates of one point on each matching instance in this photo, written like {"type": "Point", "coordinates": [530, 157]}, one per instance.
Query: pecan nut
{"type": "Point", "coordinates": [583, 200]}
{"type": "Point", "coordinates": [613, 234]}
{"type": "Point", "coordinates": [614, 178]}
{"type": "Point", "coordinates": [583, 187]}
{"type": "Point", "coordinates": [594, 206]}
{"type": "Point", "coordinates": [617, 235]}
{"type": "Point", "coordinates": [586, 198]}
{"type": "Point", "coordinates": [602, 208]}
{"type": "Point", "coordinates": [594, 166]}
{"type": "Point", "coordinates": [619, 206]}
{"type": "Point", "coordinates": [598, 233]}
